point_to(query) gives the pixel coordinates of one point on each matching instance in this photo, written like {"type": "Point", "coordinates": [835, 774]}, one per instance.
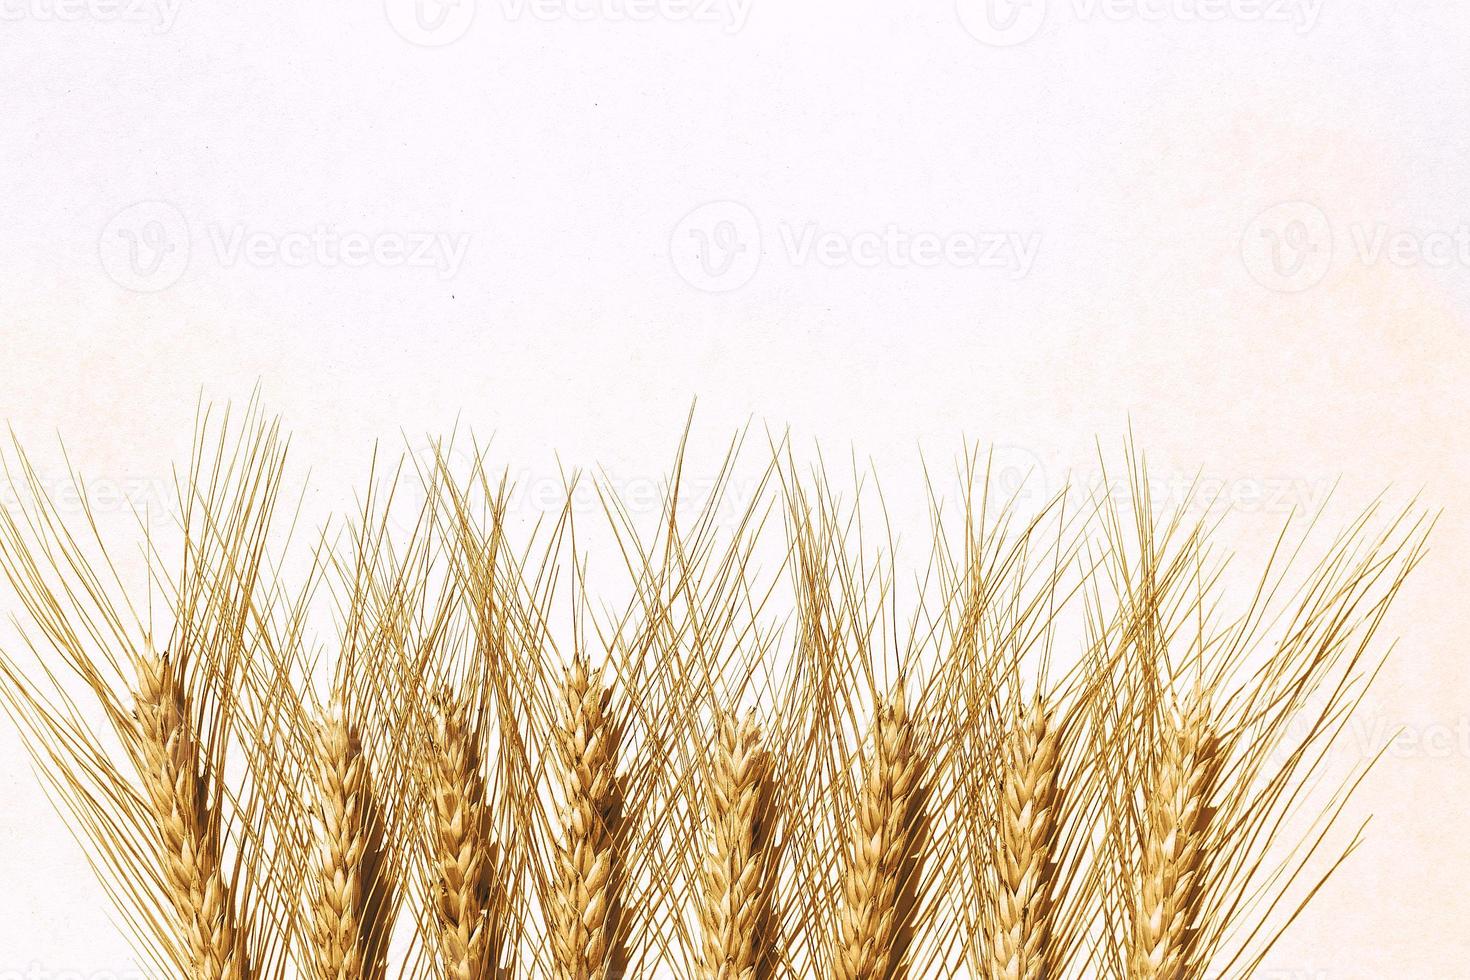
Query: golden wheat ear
{"type": "Point", "coordinates": [1178, 814]}
{"type": "Point", "coordinates": [150, 769]}
{"type": "Point", "coordinates": [174, 778]}
{"type": "Point", "coordinates": [352, 900]}
{"type": "Point", "coordinates": [468, 899]}
{"type": "Point", "coordinates": [739, 879]}
{"type": "Point", "coordinates": [586, 904]}
{"type": "Point", "coordinates": [886, 854]}
{"type": "Point", "coordinates": [1021, 920]}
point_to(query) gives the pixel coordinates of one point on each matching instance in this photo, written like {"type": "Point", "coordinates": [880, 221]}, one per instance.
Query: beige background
{"type": "Point", "coordinates": [1244, 226]}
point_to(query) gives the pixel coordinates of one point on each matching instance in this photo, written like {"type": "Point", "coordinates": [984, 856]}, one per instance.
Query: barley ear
{"type": "Point", "coordinates": [586, 914]}
{"type": "Point", "coordinates": [468, 901]}
{"type": "Point", "coordinates": [1021, 919]}
{"type": "Point", "coordinates": [1174, 856]}
{"type": "Point", "coordinates": [351, 898]}
{"type": "Point", "coordinates": [879, 886]}
{"type": "Point", "coordinates": [739, 878]}
{"type": "Point", "coordinates": [177, 786]}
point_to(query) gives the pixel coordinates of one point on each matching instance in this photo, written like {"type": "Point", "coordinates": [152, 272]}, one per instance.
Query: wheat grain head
{"type": "Point", "coordinates": [1020, 922]}
{"type": "Point", "coordinates": [468, 898]}
{"type": "Point", "coordinates": [188, 832]}
{"type": "Point", "coordinates": [885, 855]}
{"type": "Point", "coordinates": [1175, 855]}
{"type": "Point", "coordinates": [586, 913]}
{"type": "Point", "coordinates": [351, 896]}
{"type": "Point", "coordinates": [740, 862]}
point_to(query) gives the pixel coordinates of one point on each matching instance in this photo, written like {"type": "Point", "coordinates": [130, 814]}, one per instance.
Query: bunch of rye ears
{"type": "Point", "coordinates": [742, 773]}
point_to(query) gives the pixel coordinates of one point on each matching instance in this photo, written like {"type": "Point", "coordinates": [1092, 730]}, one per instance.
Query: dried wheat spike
{"type": "Point", "coordinates": [349, 935]}
{"type": "Point", "coordinates": [586, 909]}
{"type": "Point", "coordinates": [739, 865]}
{"type": "Point", "coordinates": [1021, 917]}
{"type": "Point", "coordinates": [178, 791]}
{"type": "Point", "coordinates": [876, 917]}
{"type": "Point", "coordinates": [468, 901]}
{"type": "Point", "coordinates": [1178, 812]}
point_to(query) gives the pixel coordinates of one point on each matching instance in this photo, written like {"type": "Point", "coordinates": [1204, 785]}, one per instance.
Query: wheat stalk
{"type": "Point", "coordinates": [348, 906]}
{"type": "Point", "coordinates": [188, 832]}
{"type": "Point", "coordinates": [586, 913]}
{"type": "Point", "coordinates": [468, 902]}
{"type": "Point", "coordinates": [1178, 813]}
{"type": "Point", "coordinates": [875, 921]}
{"type": "Point", "coordinates": [1021, 918]}
{"type": "Point", "coordinates": [739, 867]}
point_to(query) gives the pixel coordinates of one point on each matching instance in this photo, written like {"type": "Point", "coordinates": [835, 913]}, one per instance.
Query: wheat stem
{"type": "Point", "coordinates": [468, 902]}
{"type": "Point", "coordinates": [1178, 811]}
{"type": "Point", "coordinates": [875, 921]}
{"type": "Point", "coordinates": [350, 899]}
{"type": "Point", "coordinates": [586, 914]}
{"type": "Point", "coordinates": [1022, 915]}
{"type": "Point", "coordinates": [739, 867]}
{"type": "Point", "coordinates": [177, 786]}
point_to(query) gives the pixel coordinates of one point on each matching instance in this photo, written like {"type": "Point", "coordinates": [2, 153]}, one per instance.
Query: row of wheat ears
{"type": "Point", "coordinates": [843, 791]}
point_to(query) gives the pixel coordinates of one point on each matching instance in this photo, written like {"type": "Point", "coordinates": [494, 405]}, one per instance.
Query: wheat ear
{"type": "Point", "coordinates": [875, 921]}
{"type": "Point", "coordinates": [468, 900]}
{"type": "Point", "coordinates": [1020, 947]}
{"type": "Point", "coordinates": [586, 904]}
{"type": "Point", "coordinates": [178, 790]}
{"type": "Point", "coordinates": [740, 863]}
{"type": "Point", "coordinates": [351, 895]}
{"type": "Point", "coordinates": [1178, 811]}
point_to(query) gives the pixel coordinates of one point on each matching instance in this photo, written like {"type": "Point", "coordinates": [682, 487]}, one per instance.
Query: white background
{"type": "Point", "coordinates": [1242, 226]}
